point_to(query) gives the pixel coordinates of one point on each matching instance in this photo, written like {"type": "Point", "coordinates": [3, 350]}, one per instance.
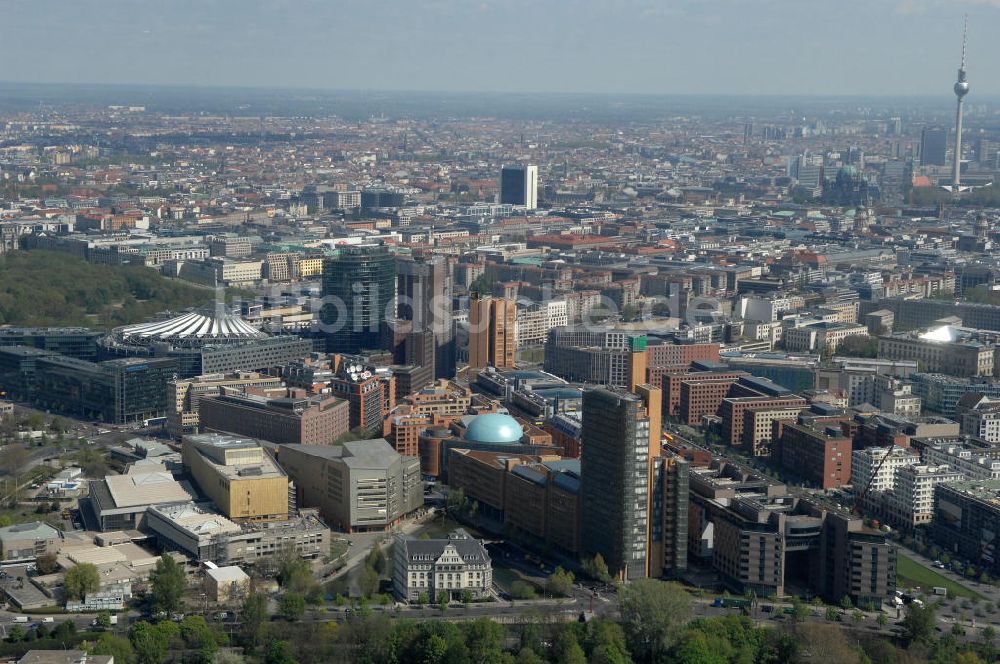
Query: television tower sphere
{"type": "Point", "coordinates": [961, 85]}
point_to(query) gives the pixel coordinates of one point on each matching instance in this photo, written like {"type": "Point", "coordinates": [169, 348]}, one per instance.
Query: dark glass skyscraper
{"type": "Point", "coordinates": [614, 481]}
{"type": "Point", "coordinates": [425, 292]}
{"type": "Point", "coordinates": [933, 146]}
{"type": "Point", "coordinates": [359, 288]}
{"type": "Point", "coordinates": [519, 185]}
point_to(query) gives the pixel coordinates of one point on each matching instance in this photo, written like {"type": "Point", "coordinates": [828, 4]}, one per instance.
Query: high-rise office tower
{"type": "Point", "coordinates": [614, 481]}
{"type": "Point", "coordinates": [933, 146]}
{"type": "Point", "coordinates": [424, 287]}
{"type": "Point", "coordinates": [961, 89]}
{"type": "Point", "coordinates": [359, 288]}
{"type": "Point", "coordinates": [668, 515]}
{"type": "Point", "coordinates": [492, 334]}
{"type": "Point", "coordinates": [519, 185]}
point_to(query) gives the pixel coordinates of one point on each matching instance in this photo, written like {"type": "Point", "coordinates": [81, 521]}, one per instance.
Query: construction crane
{"type": "Point", "coordinates": [864, 493]}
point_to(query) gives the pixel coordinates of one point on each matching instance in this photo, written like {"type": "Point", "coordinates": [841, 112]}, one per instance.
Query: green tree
{"type": "Point", "coordinates": [882, 620]}
{"type": "Point", "coordinates": [13, 460]}
{"type": "Point", "coordinates": [559, 583]}
{"type": "Point", "coordinates": [529, 656]}
{"type": "Point", "coordinates": [368, 581]}
{"type": "Point", "coordinates": [695, 648]}
{"type": "Point", "coordinates": [483, 638]}
{"type": "Point", "coordinates": [294, 573]}
{"type": "Point", "coordinates": [280, 652]}
{"type": "Point", "coordinates": [433, 649]}
{"type": "Point", "coordinates": [466, 597]}
{"type": "Point", "coordinates": [199, 635]}
{"type": "Point", "coordinates": [606, 643]}
{"type": "Point", "coordinates": [253, 621]}
{"type": "Point", "coordinates": [34, 421]}
{"type": "Point", "coordinates": [111, 644]}
{"type": "Point", "coordinates": [653, 614]}
{"type": "Point", "coordinates": [596, 568]}
{"type": "Point", "coordinates": [831, 613]}
{"type": "Point", "coordinates": [531, 635]}
{"type": "Point", "coordinates": [65, 631]}
{"type": "Point", "coordinates": [570, 651]}
{"type": "Point", "coordinates": [799, 610]}
{"type": "Point", "coordinates": [522, 590]}
{"type": "Point", "coordinates": [376, 559]}
{"type": "Point", "coordinates": [291, 606]}
{"type": "Point", "coordinates": [846, 604]}
{"type": "Point", "coordinates": [149, 642]}
{"type": "Point", "coordinates": [443, 601]}
{"type": "Point", "coordinates": [167, 583]}
{"type": "Point", "coordinates": [81, 580]}
{"type": "Point", "coordinates": [918, 624]}
{"type": "Point", "coordinates": [104, 619]}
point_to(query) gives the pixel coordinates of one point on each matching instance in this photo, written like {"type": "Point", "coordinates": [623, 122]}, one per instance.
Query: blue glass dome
{"type": "Point", "coordinates": [493, 428]}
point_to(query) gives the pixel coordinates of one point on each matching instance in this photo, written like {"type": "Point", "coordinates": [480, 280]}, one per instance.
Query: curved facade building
{"type": "Point", "coordinates": [204, 341]}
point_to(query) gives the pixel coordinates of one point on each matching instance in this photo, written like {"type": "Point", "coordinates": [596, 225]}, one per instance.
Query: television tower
{"type": "Point", "coordinates": [961, 89]}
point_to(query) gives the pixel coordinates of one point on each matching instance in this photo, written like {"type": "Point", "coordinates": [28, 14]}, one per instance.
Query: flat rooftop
{"type": "Point", "coordinates": [373, 453]}
{"type": "Point", "coordinates": [263, 465]}
{"type": "Point", "coordinates": [222, 441]}
{"type": "Point", "coordinates": [195, 520]}
{"type": "Point", "coordinates": [147, 488]}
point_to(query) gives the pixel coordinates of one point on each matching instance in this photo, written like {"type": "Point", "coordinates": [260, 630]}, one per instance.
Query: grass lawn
{"type": "Point", "coordinates": [910, 574]}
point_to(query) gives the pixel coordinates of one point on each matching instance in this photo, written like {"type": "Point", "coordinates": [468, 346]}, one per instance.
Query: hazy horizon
{"type": "Point", "coordinates": [854, 48]}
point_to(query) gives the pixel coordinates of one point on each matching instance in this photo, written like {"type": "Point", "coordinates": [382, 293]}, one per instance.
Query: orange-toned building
{"type": "Point", "coordinates": [492, 337]}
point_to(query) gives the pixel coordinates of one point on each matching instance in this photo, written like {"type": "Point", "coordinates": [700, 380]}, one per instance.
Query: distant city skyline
{"type": "Point", "coordinates": [855, 47]}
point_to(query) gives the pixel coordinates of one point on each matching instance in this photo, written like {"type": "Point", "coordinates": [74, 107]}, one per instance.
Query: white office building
{"type": "Point", "coordinates": [444, 566]}
{"type": "Point", "coordinates": [519, 186]}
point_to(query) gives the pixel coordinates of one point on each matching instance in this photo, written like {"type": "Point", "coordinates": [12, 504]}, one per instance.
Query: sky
{"type": "Point", "coordinates": [799, 47]}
